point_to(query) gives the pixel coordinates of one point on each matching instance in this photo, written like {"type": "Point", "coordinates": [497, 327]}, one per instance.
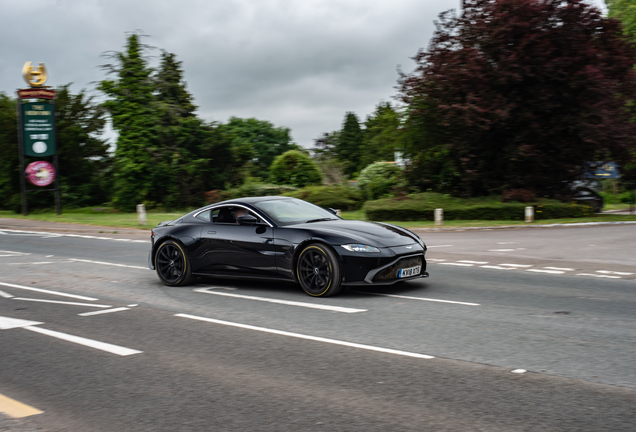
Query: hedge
{"type": "Point", "coordinates": [337, 197]}
{"type": "Point", "coordinates": [414, 210]}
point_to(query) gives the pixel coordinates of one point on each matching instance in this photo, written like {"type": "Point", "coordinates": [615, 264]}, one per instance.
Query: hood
{"type": "Point", "coordinates": [369, 233]}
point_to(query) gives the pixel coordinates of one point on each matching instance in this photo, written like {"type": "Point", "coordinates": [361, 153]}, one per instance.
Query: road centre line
{"type": "Point", "coordinates": [12, 253]}
{"type": "Point", "coordinates": [79, 297]}
{"type": "Point", "coordinates": [420, 298]}
{"type": "Point", "coordinates": [473, 262]}
{"type": "Point", "coordinates": [15, 409]}
{"type": "Point", "coordinates": [517, 265]}
{"type": "Point", "coordinates": [106, 263]}
{"type": "Point", "coordinates": [497, 267]}
{"type": "Point", "coordinates": [114, 349]}
{"type": "Point", "coordinates": [119, 309]}
{"type": "Point", "coordinates": [614, 272]}
{"type": "Point", "coordinates": [47, 234]}
{"type": "Point", "coordinates": [434, 246]}
{"type": "Point", "coordinates": [435, 260]}
{"type": "Point", "coordinates": [598, 275]}
{"type": "Point", "coordinates": [63, 302]}
{"type": "Point", "coordinates": [285, 302]}
{"type": "Point", "coordinates": [501, 250]}
{"type": "Point", "coordinates": [545, 271]}
{"type": "Point", "coordinates": [559, 268]}
{"type": "Point", "coordinates": [307, 337]}
{"type": "Point", "coordinates": [457, 264]}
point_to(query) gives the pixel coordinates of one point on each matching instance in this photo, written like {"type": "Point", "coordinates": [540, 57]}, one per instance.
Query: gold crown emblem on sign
{"type": "Point", "coordinates": [34, 76]}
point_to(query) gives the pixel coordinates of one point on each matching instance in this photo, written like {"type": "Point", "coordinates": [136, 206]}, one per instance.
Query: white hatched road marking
{"type": "Point", "coordinates": [104, 311]}
{"type": "Point", "coordinates": [5, 295]}
{"type": "Point", "coordinates": [114, 349]}
{"type": "Point", "coordinates": [62, 302]}
{"type": "Point", "coordinates": [284, 302]}
{"type": "Point", "coordinates": [48, 291]}
{"type": "Point", "coordinates": [420, 298]}
{"type": "Point", "coordinates": [107, 263]}
{"type": "Point", "coordinates": [307, 337]}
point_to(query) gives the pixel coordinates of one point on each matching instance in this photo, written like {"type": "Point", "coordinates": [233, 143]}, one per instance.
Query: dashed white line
{"type": "Point", "coordinates": [497, 267]}
{"type": "Point", "coordinates": [284, 302]}
{"type": "Point", "coordinates": [434, 246]}
{"type": "Point", "coordinates": [614, 272]}
{"type": "Point", "coordinates": [32, 263]}
{"type": "Point", "coordinates": [107, 263]}
{"type": "Point", "coordinates": [545, 271]}
{"type": "Point", "coordinates": [559, 268]}
{"type": "Point", "coordinates": [114, 349]}
{"type": "Point", "coordinates": [48, 291]}
{"type": "Point", "coordinates": [62, 302]}
{"type": "Point", "coordinates": [517, 265]}
{"type": "Point", "coordinates": [308, 337]}
{"type": "Point", "coordinates": [501, 250]}
{"type": "Point", "coordinates": [104, 311]}
{"type": "Point", "coordinates": [420, 298]}
{"type": "Point", "coordinates": [435, 260]}
{"type": "Point", "coordinates": [598, 275]}
{"type": "Point", "coordinates": [473, 262]}
{"type": "Point", "coordinates": [456, 264]}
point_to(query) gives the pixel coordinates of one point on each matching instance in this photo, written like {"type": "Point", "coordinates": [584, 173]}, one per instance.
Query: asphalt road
{"type": "Point", "coordinates": [437, 354]}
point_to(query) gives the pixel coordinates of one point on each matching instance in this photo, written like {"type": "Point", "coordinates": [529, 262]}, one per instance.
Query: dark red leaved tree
{"type": "Point", "coordinates": [519, 94]}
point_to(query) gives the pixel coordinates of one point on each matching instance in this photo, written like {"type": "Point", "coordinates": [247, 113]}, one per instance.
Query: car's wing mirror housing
{"type": "Point", "coordinates": [247, 220]}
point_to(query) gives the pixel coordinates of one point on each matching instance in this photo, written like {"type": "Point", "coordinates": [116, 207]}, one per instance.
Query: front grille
{"type": "Point", "coordinates": [391, 272]}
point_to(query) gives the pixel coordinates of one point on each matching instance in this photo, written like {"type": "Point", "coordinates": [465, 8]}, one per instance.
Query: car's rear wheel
{"type": "Point", "coordinates": [318, 271]}
{"type": "Point", "coordinates": [172, 264]}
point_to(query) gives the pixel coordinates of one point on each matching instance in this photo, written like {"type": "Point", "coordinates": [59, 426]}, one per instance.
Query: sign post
{"type": "Point", "coordinates": [36, 135]}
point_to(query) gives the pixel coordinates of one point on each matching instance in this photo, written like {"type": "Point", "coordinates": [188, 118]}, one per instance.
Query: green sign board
{"type": "Point", "coordinates": [38, 129]}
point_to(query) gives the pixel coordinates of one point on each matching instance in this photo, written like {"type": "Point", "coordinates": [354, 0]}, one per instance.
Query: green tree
{"type": "Point", "coordinates": [625, 11]}
{"type": "Point", "coordinates": [258, 141]}
{"type": "Point", "coordinates": [135, 116]}
{"type": "Point", "coordinates": [378, 178]}
{"type": "Point", "coordinates": [381, 135]}
{"type": "Point", "coordinates": [10, 174]}
{"type": "Point", "coordinates": [295, 168]}
{"type": "Point", "coordinates": [349, 143]}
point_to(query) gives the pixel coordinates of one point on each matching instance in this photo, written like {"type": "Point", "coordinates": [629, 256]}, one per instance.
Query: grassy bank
{"type": "Point", "coordinates": [110, 218]}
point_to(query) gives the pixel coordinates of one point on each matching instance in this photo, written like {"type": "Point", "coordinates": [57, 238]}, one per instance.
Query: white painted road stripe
{"type": "Point", "coordinates": [559, 268]}
{"type": "Point", "coordinates": [438, 246]}
{"type": "Point", "coordinates": [546, 271]}
{"type": "Point", "coordinates": [285, 302]}
{"type": "Point", "coordinates": [63, 302]}
{"type": "Point", "coordinates": [457, 264]}
{"type": "Point", "coordinates": [420, 298]}
{"type": "Point", "coordinates": [598, 275]}
{"type": "Point", "coordinates": [501, 250]}
{"type": "Point", "coordinates": [498, 267]}
{"type": "Point", "coordinates": [114, 349]}
{"type": "Point", "coordinates": [517, 265]}
{"type": "Point", "coordinates": [436, 260]}
{"type": "Point", "coordinates": [104, 311]}
{"type": "Point", "coordinates": [48, 291]}
{"type": "Point", "coordinates": [307, 337]}
{"type": "Point", "coordinates": [107, 263]}
{"type": "Point", "coordinates": [473, 262]}
{"type": "Point", "coordinates": [5, 295]}
{"type": "Point", "coordinates": [614, 272]}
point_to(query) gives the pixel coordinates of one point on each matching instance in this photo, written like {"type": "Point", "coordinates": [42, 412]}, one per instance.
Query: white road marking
{"type": "Point", "coordinates": [307, 337]}
{"type": "Point", "coordinates": [436, 260]}
{"type": "Point", "coordinates": [5, 295]}
{"type": "Point", "coordinates": [62, 302]}
{"type": "Point", "coordinates": [545, 271]}
{"type": "Point", "coordinates": [107, 263]}
{"type": "Point", "coordinates": [473, 262]}
{"type": "Point", "coordinates": [501, 250]}
{"type": "Point", "coordinates": [104, 311]}
{"type": "Point", "coordinates": [114, 349]}
{"type": "Point", "coordinates": [438, 246]}
{"type": "Point", "coordinates": [52, 235]}
{"type": "Point", "coordinates": [285, 302]}
{"type": "Point", "coordinates": [614, 272]}
{"type": "Point", "coordinates": [559, 268]}
{"type": "Point", "coordinates": [498, 267]}
{"type": "Point", "coordinates": [457, 264]}
{"type": "Point", "coordinates": [48, 291]}
{"type": "Point", "coordinates": [517, 265]}
{"type": "Point", "coordinates": [519, 371]}
{"type": "Point", "coordinates": [598, 275]}
{"type": "Point", "coordinates": [7, 323]}
{"type": "Point", "coordinates": [505, 242]}
{"type": "Point", "coordinates": [32, 263]}
{"type": "Point", "coordinates": [12, 253]}
{"type": "Point", "coordinates": [420, 298]}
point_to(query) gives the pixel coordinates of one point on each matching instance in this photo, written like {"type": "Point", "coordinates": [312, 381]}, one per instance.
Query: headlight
{"type": "Point", "coordinates": [360, 248]}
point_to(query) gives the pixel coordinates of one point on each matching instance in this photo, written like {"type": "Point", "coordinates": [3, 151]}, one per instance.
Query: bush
{"type": "Point", "coordinates": [422, 207]}
{"type": "Point", "coordinates": [247, 190]}
{"type": "Point", "coordinates": [337, 197]}
{"type": "Point", "coordinates": [295, 168]}
{"type": "Point", "coordinates": [378, 178]}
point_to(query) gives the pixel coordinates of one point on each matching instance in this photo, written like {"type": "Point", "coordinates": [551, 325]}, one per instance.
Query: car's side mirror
{"type": "Point", "coordinates": [246, 220]}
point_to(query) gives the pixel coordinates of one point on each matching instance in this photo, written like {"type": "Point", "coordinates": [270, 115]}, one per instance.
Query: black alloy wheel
{"type": "Point", "coordinates": [318, 271]}
{"type": "Point", "coordinates": [172, 264]}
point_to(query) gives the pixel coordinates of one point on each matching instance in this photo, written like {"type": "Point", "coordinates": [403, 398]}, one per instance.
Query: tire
{"type": "Point", "coordinates": [172, 264]}
{"type": "Point", "coordinates": [318, 271]}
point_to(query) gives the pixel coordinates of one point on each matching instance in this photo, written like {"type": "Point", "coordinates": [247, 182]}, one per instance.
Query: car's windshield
{"type": "Point", "coordinates": [292, 211]}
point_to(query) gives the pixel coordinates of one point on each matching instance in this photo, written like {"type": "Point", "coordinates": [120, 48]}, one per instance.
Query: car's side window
{"type": "Point", "coordinates": [204, 216]}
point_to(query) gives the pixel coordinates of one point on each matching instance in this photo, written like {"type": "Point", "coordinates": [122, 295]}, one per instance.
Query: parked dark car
{"type": "Point", "coordinates": [282, 238]}
{"type": "Point", "coordinates": [588, 196]}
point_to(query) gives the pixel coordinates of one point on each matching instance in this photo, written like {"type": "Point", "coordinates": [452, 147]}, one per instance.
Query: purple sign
{"type": "Point", "coordinates": [40, 173]}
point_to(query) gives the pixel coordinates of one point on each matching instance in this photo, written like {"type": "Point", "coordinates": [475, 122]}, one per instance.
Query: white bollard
{"type": "Point", "coordinates": [338, 212]}
{"type": "Point", "coordinates": [439, 216]}
{"type": "Point", "coordinates": [529, 214]}
{"type": "Point", "coordinates": [141, 214]}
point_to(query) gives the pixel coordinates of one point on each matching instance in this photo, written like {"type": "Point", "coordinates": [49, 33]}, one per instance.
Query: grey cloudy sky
{"type": "Point", "coordinates": [300, 64]}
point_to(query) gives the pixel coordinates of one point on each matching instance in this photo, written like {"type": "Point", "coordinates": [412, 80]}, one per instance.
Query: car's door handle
{"type": "Point", "coordinates": [211, 232]}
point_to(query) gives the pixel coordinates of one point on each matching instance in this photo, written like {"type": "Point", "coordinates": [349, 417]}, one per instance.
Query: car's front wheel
{"type": "Point", "coordinates": [172, 264]}
{"type": "Point", "coordinates": [318, 271]}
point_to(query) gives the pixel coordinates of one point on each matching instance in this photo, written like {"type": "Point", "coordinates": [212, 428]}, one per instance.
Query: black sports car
{"type": "Point", "coordinates": [282, 238]}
